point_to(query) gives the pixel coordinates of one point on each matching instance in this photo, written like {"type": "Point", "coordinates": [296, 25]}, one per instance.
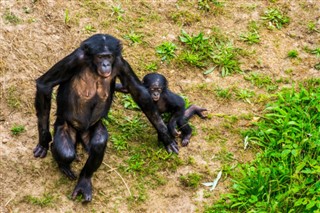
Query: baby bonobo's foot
{"type": "Point", "coordinates": [84, 187]}
{"type": "Point", "coordinates": [185, 140]}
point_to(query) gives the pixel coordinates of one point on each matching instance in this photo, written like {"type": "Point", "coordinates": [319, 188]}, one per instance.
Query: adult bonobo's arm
{"type": "Point", "coordinates": [142, 97]}
{"type": "Point", "coordinates": [60, 72]}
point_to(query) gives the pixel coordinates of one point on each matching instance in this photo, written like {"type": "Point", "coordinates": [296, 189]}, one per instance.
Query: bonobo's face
{"type": "Point", "coordinates": [155, 91]}
{"type": "Point", "coordinates": [103, 62]}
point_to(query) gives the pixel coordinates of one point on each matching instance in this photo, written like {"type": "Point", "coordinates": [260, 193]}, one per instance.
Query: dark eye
{"type": "Point", "coordinates": [108, 56]}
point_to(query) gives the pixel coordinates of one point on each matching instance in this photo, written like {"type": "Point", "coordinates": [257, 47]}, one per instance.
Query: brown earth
{"type": "Point", "coordinates": [41, 37]}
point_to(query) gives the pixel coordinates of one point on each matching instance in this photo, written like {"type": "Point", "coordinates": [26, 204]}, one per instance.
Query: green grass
{"type": "Point", "coordinates": [17, 129]}
{"type": "Point", "coordinates": [312, 27]}
{"type": "Point", "coordinates": [316, 52]}
{"type": "Point", "coordinates": [260, 80]}
{"type": "Point", "coordinates": [214, 51]}
{"type": "Point", "coordinates": [284, 177]}
{"type": "Point", "coordinates": [134, 38]}
{"type": "Point", "coordinates": [251, 37]}
{"type": "Point", "coordinates": [11, 18]}
{"type": "Point", "coordinates": [293, 54]}
{"type": "Point", "coordinates": [13, 98]}
{"type": "Point", "coordinates": [166, 51]}
{"type": "Point", "coordinates": [223, 93]}
{"type": "Point", "coordinates": [45, 200]}
{"type": "Point", "coordinates": [275, 18]}
{"type": "Point", "coordinates": [191, 180]}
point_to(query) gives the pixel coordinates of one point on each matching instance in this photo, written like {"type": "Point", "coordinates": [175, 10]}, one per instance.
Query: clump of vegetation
{"type": "Point", "coordinates": [185, 18]}
{"type": "Point", "coordinates": [134, 37]}
{"type": "Point", "coordinates": [191, 180]}
{"type": "Point", "coordinates": [207, 5]}
{"type": "Point", "coordinates": [45, 200]}
{"type": "Point", "coordinates": [17, 129]}
{"type": "Point", "coordinates": [223, 93]}
{"type": "Point", "coordinates": [316, 52]}
{"type": "Point", "coordinates": [293, 54]}
{"type": "Point", "coordinates": [128, 102]}
{"type": "Point", "coordinates": [13, 98]}
{"type": "Point", "coordinates": [285, 175]}
{"type": "Point", "coordinates": [11, 18]}
{"type": "Point", "coordinates": [166, 50]}
{"type": "Point", "coordinates": [275, 18]}
{"type": "Point", "coordinates": [312, 27]}
{"type": "Point", "coordinates": [251, 37]}
{"type": "Point", "coordinates": [203, 51]}
{"type": "Point", "coordinates": [118, 12]}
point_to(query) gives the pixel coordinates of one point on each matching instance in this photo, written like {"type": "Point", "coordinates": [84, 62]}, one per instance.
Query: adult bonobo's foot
{"type": "Point", "coordinates": [40, 151]}
{"type": "Point", "coordinates": [68, 172]}
{"type": "Point", "coordinates": [173, 147]}
{"type": "Point", "coordinates": [84, 187]}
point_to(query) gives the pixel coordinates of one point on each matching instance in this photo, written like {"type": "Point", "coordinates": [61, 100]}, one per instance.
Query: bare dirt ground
{"type": "Point", "coordinates": [41, 36]}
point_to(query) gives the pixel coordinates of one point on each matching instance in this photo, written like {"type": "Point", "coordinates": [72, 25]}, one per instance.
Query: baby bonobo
{"type": "Point", "coordinates": [169, 102]}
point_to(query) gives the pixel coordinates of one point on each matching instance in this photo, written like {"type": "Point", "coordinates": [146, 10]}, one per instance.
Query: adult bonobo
{"type": "Point", "coordinates": [169, 102]}
{"type": "Point", "coordinates": [86, 80]}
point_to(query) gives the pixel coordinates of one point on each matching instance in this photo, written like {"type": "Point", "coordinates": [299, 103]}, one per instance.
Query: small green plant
{"type": "Point", "coordinates": [119, 142]}
{"type": "Point", "coordinates": [312, 27]}
{"type": "Point", "coordinates": [198, 50]}
{"type": "Point", "coordinates": [194, 59]}
{"type": "Point", "coordinates": [45, 200]}
{"type": "Point", "coordinates": [259, 80]}
{"type": "Point", "coordinates": [135, 163]}
{"type": "Point", "coordinates": [129, 103]}
{"type": "Point", "coordinates": [11, 18]}
{"type": "Point", "coordinates": [191, 180]}
{"type": "Point", "coordinates": [223, 93]}
{"type": "Point", "coordinates": [89, 28]}
{"type": "Point", "coordinates": [66, 16]}
{"type": "Point", "coordinates": [196, 43]}
{"type": "Point", "coordinates": [244, 94]}
{"type": "Point", "coordinates": [206, 4]}
{"type": "Point", "coordinates": [17, 129]}
{"type": "Point", "coordinates": [135, 38]}
{"type": "Point", "coordinates": [317, 66]}
{"type": "Point", "coordinates": [250, 37]}
{"type": "Point", "coordinates": [224, 56]}
{"type": "Point", "coordinates": [292, 54]}
{"type": "Point", "coordinates": [152, 66]}
{"type": "Point", "coordinates": [275, 18]}
{"type": "Point", "coordinates": [166, 50]}
{"type": "Point", "coordinates": [117, 11]}
{"type": "Point", "coordinates": [316, 52]}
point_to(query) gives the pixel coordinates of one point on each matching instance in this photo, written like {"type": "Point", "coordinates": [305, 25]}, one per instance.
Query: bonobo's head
{"type": "Point", "coordinates": [156, 85]}
{"type": "Point", "coordinates": [102, 50]}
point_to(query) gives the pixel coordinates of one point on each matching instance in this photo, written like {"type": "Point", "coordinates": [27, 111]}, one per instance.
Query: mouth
{"type": "Point", "coordinates": [155, 99]}
{"type": "Point", "coordinates": [104, 74]}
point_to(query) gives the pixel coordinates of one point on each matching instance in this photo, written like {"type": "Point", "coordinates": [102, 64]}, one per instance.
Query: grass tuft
{"type": "Point", "coordinates": [284, 177]}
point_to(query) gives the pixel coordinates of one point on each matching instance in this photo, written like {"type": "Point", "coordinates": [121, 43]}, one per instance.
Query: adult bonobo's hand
{"type": "Point", "coordinates": [172, 147]}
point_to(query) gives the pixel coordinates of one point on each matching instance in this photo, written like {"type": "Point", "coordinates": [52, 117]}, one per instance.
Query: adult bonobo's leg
{"type": "Point", "coordinates": [63, 147]}
{"type": "Point", "coordinates": [97, 148]}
